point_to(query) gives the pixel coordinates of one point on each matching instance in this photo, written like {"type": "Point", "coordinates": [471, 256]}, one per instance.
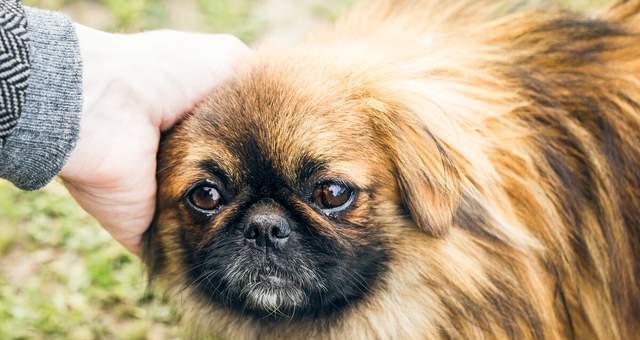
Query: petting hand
{"type": "Point", "coordinates": [134, 87]}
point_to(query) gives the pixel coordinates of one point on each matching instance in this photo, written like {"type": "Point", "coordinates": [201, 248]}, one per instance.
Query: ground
{"type": "Point", "coordinates": [61, 276]}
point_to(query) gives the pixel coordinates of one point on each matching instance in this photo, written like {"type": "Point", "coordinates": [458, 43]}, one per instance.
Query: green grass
{"type": "Point", "coordinates": [62, 277]}
{"type": "Point", "coordinates": [232, 16]}
{"type": "Point", "coordinates": [133, 15]}
{"type": "Point", "coordinates": [331, 10]}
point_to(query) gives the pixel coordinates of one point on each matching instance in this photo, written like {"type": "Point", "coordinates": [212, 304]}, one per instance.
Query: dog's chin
{"type": "Point", "coordinates": [275, 296]}
{"type": "Point", "coordinates": [268, 296]}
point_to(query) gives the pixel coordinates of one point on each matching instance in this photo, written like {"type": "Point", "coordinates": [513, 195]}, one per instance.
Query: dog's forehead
{"type": "Point", "coordinates": [268, 120]}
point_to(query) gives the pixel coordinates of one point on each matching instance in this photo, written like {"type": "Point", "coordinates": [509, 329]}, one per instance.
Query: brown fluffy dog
{"type": "Point", "coordinates": [420, 171]}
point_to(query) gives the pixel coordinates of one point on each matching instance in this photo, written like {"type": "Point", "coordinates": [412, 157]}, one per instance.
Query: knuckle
{"type": "Point", "coordinates": [234, 44]}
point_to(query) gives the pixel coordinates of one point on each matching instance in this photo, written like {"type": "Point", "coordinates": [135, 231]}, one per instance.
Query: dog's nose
{"type": "Point", "coordinates": [268, 229]}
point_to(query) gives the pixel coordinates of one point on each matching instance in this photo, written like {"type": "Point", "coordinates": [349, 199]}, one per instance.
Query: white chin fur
{"type": "Point", "coordinates": [274, 299]}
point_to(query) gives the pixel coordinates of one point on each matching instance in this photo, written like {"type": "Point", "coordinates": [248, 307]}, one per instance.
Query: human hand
{"type": "Point", "coordinates": [134, 87]}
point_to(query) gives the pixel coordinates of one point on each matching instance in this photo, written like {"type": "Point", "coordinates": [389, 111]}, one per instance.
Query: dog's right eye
{"type": "Point", "coordinates": [205, 198]}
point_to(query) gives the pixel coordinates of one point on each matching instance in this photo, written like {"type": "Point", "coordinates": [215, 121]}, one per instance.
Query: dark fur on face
{"type": "Point", "coordinates": [318, 271]}
{"type": "Point", "coordinates": [420, 171]}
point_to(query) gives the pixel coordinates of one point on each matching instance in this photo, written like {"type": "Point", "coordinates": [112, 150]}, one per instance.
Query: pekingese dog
{"type": "Point", "coordinates": [421, 170]}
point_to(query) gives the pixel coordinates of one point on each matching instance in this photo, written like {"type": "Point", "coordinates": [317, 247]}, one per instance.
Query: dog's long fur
{"type": "Point", "coordinates": [511, 137]}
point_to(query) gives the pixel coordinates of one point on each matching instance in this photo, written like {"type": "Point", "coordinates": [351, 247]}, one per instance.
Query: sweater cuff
{"type": "Point", "coordinates": [49, 126]}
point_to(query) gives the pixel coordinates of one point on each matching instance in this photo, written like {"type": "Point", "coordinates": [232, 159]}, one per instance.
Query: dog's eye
{"type": "Point", "coordinates": [332, 196]}
{"type": "Point", "coordinates": [205, 197]}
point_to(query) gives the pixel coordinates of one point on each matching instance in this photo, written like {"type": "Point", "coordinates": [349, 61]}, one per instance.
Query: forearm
{"type": "Point", "coordinates": [48, 126]}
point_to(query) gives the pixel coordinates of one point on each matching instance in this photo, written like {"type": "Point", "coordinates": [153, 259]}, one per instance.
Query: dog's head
{"type": "Point", "coordinates": [284, 193]}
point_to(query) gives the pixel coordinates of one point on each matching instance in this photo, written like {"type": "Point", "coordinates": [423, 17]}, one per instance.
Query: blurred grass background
{"type": "Point", "coordinates": [61, 276]}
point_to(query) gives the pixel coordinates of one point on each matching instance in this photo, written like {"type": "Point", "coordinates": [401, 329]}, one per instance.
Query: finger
{"type": "Point", "coordinates": [207, 61]}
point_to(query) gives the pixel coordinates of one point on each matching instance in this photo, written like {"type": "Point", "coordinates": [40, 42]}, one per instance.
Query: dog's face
{"type": "Point", "coordinates": [282, 195]}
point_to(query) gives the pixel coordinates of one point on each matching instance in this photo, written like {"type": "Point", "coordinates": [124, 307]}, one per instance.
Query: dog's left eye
{"type": "Point", "coordinates": [332, 196]}
{"type": "Point", "coordinates": [205, 198]}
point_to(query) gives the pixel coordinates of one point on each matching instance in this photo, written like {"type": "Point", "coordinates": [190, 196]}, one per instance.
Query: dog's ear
{"type": "Point", "coordinates": [425, 169]}
{"type": "Point", "coordinates": [151, 252]}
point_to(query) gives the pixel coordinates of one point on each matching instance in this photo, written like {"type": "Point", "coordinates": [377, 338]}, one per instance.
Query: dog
{"type": "Point", "coordinates": [420, 170]}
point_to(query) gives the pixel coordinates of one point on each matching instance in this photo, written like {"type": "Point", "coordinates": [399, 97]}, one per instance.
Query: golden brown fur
{"type": "Point", "coordinates": [504, 146]}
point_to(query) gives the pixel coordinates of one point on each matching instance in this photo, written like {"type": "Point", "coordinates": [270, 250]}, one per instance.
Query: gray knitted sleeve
{"type": "Point", "coordinates": [40, 138]}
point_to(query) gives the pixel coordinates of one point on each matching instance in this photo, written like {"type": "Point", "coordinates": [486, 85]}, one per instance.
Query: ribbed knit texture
{"type": "Point", "coordinates": [48, 128]}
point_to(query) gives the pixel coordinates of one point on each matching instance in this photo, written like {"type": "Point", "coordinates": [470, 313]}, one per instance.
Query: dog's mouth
{"type": "Point", "coordinates": [274, 280]}
{"type": "Point", "coordinates": [274, 293]}
{"type": "Point", "coordinates": [312, 279]}
{"type": "Point", "coordinates": [269, 277]}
